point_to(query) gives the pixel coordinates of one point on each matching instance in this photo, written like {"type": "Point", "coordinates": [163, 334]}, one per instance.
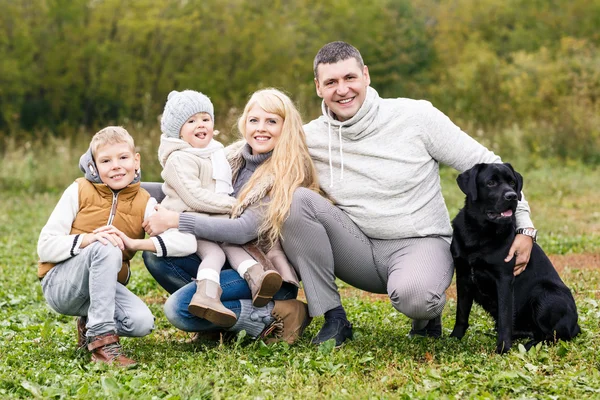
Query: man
{"type": "Point", "coordinates": [388, 229]}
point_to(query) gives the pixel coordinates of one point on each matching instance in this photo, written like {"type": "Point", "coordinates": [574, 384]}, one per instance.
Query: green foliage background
{"type": "Point", "coordinates": [520, 75]}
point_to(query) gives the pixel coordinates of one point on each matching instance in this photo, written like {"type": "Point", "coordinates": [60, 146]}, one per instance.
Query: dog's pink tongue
{"type": "Point", "coordinates": [507, 213]}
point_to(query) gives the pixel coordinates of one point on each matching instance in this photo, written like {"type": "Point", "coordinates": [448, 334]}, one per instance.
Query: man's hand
{"type": "Point", "coordinates": [521, 247]}
{"type": "Point", "coordinates": [160, 221]}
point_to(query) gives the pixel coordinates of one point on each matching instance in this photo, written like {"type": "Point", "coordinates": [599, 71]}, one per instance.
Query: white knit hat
{"type": "Point", "coordinates": [180, 106]}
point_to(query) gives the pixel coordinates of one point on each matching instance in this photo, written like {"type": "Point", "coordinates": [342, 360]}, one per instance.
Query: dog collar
{"type": "Point", "coordinates": [531, 232]}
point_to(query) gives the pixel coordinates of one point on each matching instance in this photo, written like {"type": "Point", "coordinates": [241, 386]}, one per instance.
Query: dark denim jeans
{"type": "Point", "coordinates": [175, 275]}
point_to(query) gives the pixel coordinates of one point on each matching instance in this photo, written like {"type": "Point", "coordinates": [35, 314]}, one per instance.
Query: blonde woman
{"type": "Point", "coordinates": [268, 165]}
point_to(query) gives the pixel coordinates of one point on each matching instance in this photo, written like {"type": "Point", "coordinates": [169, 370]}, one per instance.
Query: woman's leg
{"type": "Point", "coordinates": [234, 289]}
{"type": "Point", "coordinates": [172, 273]}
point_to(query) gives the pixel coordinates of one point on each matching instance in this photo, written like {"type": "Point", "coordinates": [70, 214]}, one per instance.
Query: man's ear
{"type": "Point", "coordinates": [318, 88]}
{"type": "Point", "coordinates": [467, 182]}
{"type": "Point", "coordinates": [138, 160]}
{"type": "Point", "coordinates": [366, 75]}
{"type": "Point", "coordinates": [518, 180]}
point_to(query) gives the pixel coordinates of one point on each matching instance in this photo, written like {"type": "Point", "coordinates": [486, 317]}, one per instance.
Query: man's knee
{"type": "Point", "coordinates": [417, 303]}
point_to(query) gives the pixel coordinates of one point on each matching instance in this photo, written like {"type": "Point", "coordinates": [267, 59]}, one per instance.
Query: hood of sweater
{"type": "Point", "coordinates": [361, 125]}
{"type": "Point", "coordinates": [87, 165]}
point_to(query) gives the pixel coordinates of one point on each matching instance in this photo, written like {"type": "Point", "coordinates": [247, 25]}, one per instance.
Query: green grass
{"type": "Point", "coordinates": [38, 357]}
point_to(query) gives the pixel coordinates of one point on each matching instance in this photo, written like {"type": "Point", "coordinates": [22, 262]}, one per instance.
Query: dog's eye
{"type": "Point", "coordinates": [491, 183]}
{"type": "Point", "coordinates": [512, 183]}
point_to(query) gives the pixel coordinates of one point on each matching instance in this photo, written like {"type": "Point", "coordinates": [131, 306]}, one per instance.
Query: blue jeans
{"type": "Point", "coordinates": [176, 274]}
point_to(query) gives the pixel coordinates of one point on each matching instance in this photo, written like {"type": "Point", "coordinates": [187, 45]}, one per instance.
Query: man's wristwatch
{"type": "Point", "coordinates": [531, 232]}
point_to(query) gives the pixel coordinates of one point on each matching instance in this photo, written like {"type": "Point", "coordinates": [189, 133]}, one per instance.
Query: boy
{"type": "Point", "coordinates": [84, 273]}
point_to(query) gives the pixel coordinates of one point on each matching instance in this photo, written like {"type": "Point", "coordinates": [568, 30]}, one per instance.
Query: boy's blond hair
{"type": "Point", "coordinates": [111, 135]}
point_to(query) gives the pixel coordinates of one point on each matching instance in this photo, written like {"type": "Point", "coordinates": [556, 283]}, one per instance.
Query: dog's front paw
{"type": "Point", "coordinates": [503, 347]}
{"type": "Point", "coordinates": [458, 332]}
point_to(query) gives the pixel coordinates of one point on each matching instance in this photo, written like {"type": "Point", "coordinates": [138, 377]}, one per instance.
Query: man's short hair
{"type": "Point", "coordinates": [111, 135]}
{"type": "Point", "coordinates": [334, 52]}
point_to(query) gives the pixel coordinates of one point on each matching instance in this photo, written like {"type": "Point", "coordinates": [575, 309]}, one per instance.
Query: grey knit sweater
{"type": "Point", "coordinates": [381, 166]}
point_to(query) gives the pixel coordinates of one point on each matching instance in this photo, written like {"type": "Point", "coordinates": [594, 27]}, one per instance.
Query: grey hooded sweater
{"type": "Point", "coordinates": [381, 167]}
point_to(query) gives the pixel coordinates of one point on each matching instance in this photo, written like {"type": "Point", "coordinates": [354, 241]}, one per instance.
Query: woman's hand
{"type": "Point", "coordinates": [521, 247]}
{"type": "Point", "coordinates": [160, 221]}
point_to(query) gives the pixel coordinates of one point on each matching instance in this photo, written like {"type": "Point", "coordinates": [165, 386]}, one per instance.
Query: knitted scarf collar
{"type": "Point", "coordinates": [238, 157]}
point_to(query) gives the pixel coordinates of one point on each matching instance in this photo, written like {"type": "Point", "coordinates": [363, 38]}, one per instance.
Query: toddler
{"type": "Point", "coordinates": [197, 178]}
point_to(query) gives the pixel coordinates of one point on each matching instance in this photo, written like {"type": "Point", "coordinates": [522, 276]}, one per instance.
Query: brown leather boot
{"type": "Point", "coordinates": [263, 284]}
{"type": "Point", "coordinates": [106, 348]}
{"type": "Point", "coordinates": [81, 331]}
{"type": "Point", "coordinates": [291, 318]}
{"type": "Point", "coordinates": [206, 304]}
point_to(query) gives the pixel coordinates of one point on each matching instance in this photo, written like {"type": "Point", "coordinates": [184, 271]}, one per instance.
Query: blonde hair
{"type": "Point", "coordinates": [290, 164]}
{"type": "Point", "coordinates": [111, 135]}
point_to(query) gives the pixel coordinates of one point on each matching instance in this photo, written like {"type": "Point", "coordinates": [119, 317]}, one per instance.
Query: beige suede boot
{"type": "Point", "coordinates": [263, 284]}
{"type": "Point", "coordinates": [206, 304]}
{"type": "Point", "coordinates": [291, 318]}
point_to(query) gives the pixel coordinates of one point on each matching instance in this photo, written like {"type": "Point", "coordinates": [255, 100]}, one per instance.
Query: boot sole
{"type": "Point", "coordinates": [270, 285]}
{"type": "Point", "coordinates": [216, 317]}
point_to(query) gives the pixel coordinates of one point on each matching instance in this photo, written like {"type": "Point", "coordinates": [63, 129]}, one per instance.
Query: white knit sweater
{"type": "Point", "coordinates": [381, 166]}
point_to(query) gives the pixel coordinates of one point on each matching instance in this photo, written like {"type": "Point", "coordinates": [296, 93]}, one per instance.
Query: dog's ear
{"type": "Point", "coordinates": [467, 182]}
{"type": "Point", "coordinates": [518, 180]}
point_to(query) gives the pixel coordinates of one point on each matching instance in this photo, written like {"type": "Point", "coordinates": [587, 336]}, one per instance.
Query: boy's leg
{"type": "Point", "coordinates": [264, 283]}
{"type": "Point", "coordinates": [85, 285]}
{"type": "Point", "coordinates": [206, 302]}
{"type": "Point", "coordinates": [132, 316]}
{"type": "Point", "coordinates": [322, 242]}
{"type": "Point", "coordinates": [420, 271]}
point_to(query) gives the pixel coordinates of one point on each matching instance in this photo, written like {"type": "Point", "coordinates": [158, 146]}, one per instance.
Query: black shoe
{"type": "Point", "coordinates": [432, 329]}
{"type": "Point", "coordinates": [335, 328]}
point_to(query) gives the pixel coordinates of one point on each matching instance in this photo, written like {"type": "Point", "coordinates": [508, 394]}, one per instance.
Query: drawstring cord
{"type": "Point", "coordinates": [341, 155]}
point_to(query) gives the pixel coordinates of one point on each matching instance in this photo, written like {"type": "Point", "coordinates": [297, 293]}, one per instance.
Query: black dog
{"type": "Point", "coordinates": [535, 304]}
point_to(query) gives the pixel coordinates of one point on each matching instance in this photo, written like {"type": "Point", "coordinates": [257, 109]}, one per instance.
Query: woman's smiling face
{"type": "Point", "coordinates": [263, 130]}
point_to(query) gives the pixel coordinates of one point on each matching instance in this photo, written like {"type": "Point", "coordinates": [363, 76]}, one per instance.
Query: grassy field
{"type": "Point", "coordinates": [38, 357]}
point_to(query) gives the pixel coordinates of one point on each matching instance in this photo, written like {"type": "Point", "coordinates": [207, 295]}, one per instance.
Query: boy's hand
{"type": "Point", "coordinates": [160, 221]}
{"type": "Point", "coordinates": [102, 237]}
{"type": "Point", "coordinates": [126, 241]}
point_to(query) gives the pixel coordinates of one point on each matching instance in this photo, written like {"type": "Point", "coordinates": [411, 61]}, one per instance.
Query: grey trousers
{"type": "Point", "coordinates": [86, 285]}
{"type": "Point", "coordinates": [323, 243]}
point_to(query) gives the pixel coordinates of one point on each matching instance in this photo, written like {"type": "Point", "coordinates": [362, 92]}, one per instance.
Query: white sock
{"type": "Point", "coordinates": [210, 274]}
{"type": "Point", "coordinates": [245, 266]}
